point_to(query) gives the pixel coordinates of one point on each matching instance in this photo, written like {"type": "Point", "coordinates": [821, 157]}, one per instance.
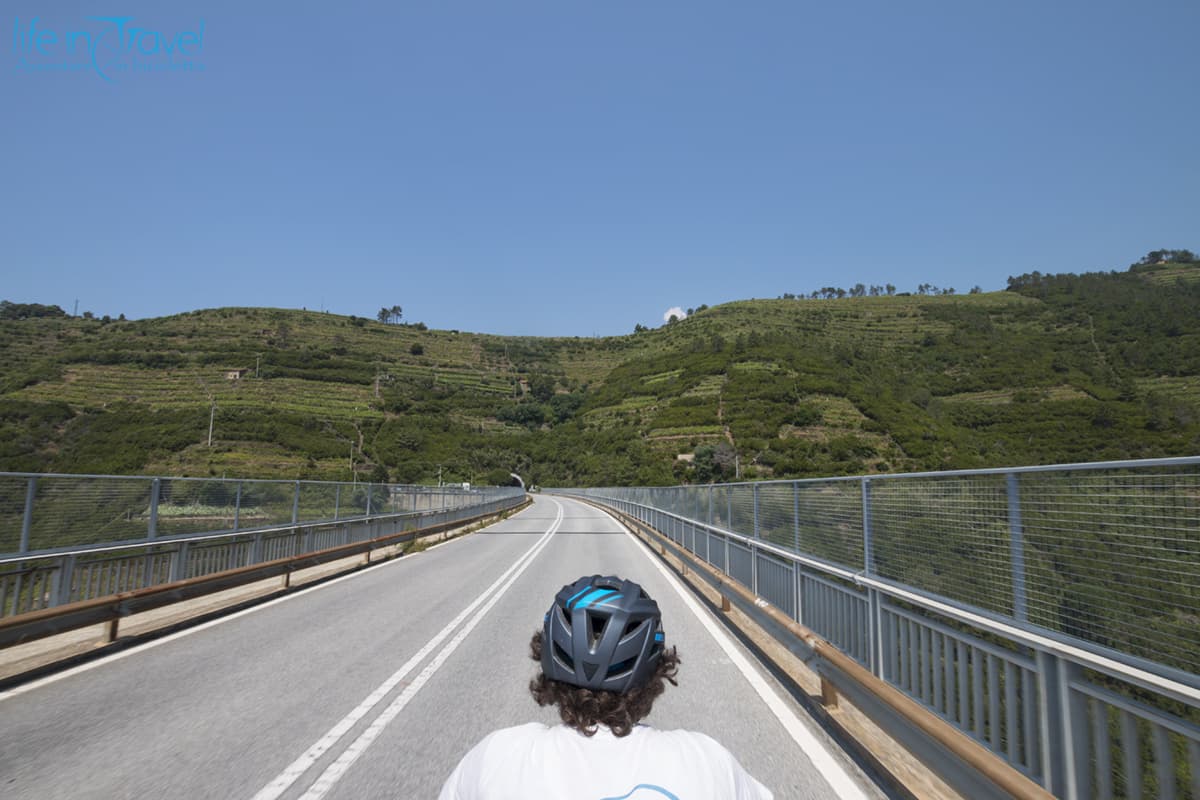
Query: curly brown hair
{"type": "Point", "coordinates": [585, 709]}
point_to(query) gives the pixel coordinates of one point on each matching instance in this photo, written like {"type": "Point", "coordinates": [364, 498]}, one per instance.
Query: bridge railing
{"type": "Point", "coordinates": [65, 538]}
{"type": "Point", "coordinates": [1051, 613]}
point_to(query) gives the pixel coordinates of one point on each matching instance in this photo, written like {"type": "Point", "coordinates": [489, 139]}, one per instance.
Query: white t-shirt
{"type": "Point", "coordinates": [559, 763]}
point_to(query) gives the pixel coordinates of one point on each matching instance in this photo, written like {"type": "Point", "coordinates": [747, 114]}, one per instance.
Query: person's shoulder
{"type": "Point", "coordinates": [513, 740]}
{"type": "Point", "coordinates": [502, 745]}
{"type": "Point", "coordinates": [516, 735]}
{"type": "Point", "coordinates": [680, 737]}
{"type": "Point", "coordinates": [703, 752]}
{"type": "Point", "coordinates": [694, 745]}
{"type": "Point", "coordinates": [488, 758]}
{"type": "Point", "coordinates": [524, 729]}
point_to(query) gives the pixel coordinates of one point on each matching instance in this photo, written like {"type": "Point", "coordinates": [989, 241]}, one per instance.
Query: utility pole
{"type": "Point", "coordinates": [439, 474]}
{"type": "Point", "coordinates": [212, 412]}
{"type": "Point", "coordinates": [257, 359]}
{"type": "Point", "coordinates": [352, 476]}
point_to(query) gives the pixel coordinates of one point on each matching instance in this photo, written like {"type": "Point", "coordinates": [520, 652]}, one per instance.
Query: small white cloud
{"type": "Point", "coordinates": [673, 311]}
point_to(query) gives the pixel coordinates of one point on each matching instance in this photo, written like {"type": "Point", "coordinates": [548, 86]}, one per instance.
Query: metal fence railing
{"type": "Point", "coordinates": [65, 538]}
{"type": "Point", "coordinates": [1051, 613]}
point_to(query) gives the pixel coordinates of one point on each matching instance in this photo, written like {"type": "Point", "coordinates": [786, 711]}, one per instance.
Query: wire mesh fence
{"type": "Point", "coordinates": [995, 598]}
{"type": "Point", "coordinates": [72, 537]}
{"type": "Point", "coordinates": [1114, 558]}
{"type": "Point", "coordinates": [40, 513]}
{"type": "Point", "coordinates": [950, 536]}
{"type": "Point", "coordinates": [1108, 553]}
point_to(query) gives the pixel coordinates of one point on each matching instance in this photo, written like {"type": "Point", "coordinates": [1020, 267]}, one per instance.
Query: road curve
{"type": "Point", "coordinates": [374, 685]}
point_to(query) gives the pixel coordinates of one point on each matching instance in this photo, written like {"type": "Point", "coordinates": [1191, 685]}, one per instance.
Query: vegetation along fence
{"type": "Point", "coordinates": [65, 538]}
{"type": "Point", "coordinates": [1051, 613]}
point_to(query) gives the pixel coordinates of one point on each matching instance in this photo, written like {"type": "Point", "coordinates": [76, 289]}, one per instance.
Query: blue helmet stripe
{"type": "Point", "coordinates": [593, 597]}
{"type": "Point", "coordinates": [571, 599]}
{"type": "Point", "coordinates": [608, 600]}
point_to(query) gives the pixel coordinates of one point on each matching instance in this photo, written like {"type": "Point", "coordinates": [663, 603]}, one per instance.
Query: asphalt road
{"type": "Point", "coordinates": [374, 685]}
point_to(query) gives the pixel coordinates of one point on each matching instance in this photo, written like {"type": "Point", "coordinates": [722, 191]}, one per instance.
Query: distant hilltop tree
{"type": "Point", "coordinates": [10, 310]}
{"type": "Point", "coordinates": [862, 290]}
{"type": "Point", "coordinates": [391, 315]}
{"type": "Point", "coordinates": [1157, 258]}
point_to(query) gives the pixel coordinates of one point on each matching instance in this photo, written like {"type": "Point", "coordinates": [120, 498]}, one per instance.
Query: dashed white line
{"type": "Point", "coordinates": [332, 774]}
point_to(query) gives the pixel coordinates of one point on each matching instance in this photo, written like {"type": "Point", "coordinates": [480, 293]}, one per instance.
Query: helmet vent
{"type": "Point", "coordinates": [622, 667]}
{"type": "Point", "coordinates": [602, 633]}
{"type": "Point", "coordinates": [564, 656]}
{"type": "Point", "coordinates": [596, 626]}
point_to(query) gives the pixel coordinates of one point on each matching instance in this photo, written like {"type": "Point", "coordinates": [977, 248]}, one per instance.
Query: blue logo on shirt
{"type": "Point", "coordinates": [644, 791]}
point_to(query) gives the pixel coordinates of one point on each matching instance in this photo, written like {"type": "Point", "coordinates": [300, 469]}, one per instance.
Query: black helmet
{"type": "Point", "coordinates": [602, 633]}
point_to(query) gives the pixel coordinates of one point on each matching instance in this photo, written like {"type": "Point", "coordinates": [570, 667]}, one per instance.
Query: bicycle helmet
{"type": "Point", "coordinates": [602, 633]}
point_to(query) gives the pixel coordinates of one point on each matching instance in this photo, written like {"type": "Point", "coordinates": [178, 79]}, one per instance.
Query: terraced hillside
{"type": "Point", "coordinates": [1058, 368]}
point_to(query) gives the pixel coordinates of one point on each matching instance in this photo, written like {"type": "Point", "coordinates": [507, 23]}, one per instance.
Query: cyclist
{"type": "Point", "coordinates": [603, 661]}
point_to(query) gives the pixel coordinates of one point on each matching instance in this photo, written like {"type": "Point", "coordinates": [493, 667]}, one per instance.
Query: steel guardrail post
{"type": "Point", "coordinates": [1016, 543]}
{"type": "Point", "coordinates": [63, 578]}
{"type": "Point", "coordinates": [1072, 711]}
{"type": "Point", "coordinates": [754, 542]}
{"type": "Point", "coordinates": [874, 606]}
{"type": "Point", "coordinates": [152, 529]}
{"type": "Point", "coordinates": [868, 544]}
{"type": "Point", "coordinates": [179, 562]}
{"type": "Point", "coordinates": [1051, 722]}
{"type": "Point", "coordinates": [754, 488]}
{"type": "Point", "coordinates": [796, 515]}
{"type": "Point", "coordinates": [27, 518]}
{"type": "Point", "coordinates": [237, 507]}
{"type": "Point", "coordinates": [148, 568]}
{"type": "Point", "coordinates": [799, 581]}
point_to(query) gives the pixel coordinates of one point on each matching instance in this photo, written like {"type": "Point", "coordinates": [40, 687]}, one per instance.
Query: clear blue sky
{"type": "Point", "coordinates": [572, 167]}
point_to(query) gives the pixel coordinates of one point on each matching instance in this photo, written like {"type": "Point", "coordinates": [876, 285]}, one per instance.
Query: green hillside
{"type": "Point", "coordinates": [1058, 368]}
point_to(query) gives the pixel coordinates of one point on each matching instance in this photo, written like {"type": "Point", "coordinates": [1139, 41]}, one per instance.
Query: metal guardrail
{"type": "Point", "coordinates": [58, 559]}
{"type": "Point", "coordinates": [110, 608]}
{"type": "Point", "coordinates": [50, 512]}
{"type": "Point", "coordinates": [1026, 607]}
{"type": "Point", "coordinates": [962, 762]}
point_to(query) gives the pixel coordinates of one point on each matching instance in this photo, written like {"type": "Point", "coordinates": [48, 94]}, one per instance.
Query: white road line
{"type": "Point", "coordinates": [132, 651]}
{"type": "Point", "coordinates": [352, 753]}
{"type": "Point", "coordinates": [833, 772]}
{"type": "Point", "coordinates": [335, 771]}
{"type": "Point", "coordinates": [300, 591]}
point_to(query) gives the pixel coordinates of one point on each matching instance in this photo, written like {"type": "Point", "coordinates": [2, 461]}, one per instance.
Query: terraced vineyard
{"type": "Point", "coordinates": [96, 386]}
{"type": "Point", "coordinates": [1059, 368]}
{"type": "Point", "coordinates": [993, 397]}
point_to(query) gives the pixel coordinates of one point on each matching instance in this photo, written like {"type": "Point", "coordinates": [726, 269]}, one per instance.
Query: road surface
{"type": "Point", "coordinates": [374, 685]}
